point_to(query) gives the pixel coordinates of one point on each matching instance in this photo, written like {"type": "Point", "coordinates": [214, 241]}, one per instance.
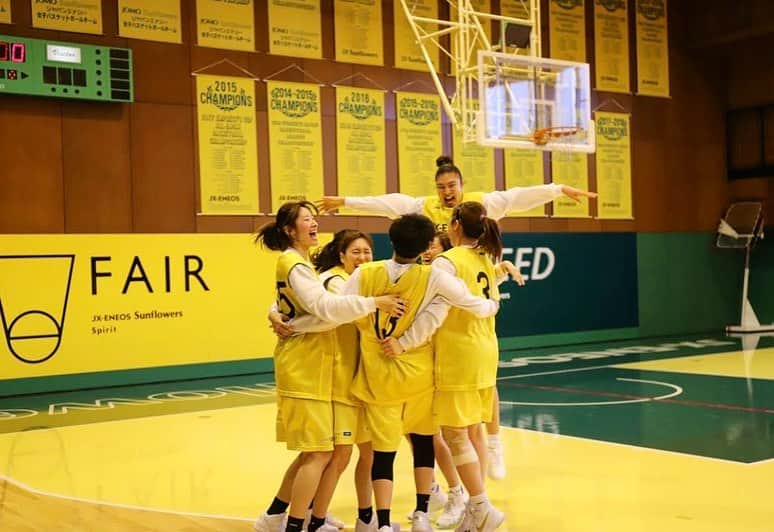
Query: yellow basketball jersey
{"type": "Point", "coordinates": [441, 215]}
{"type": "Point", "coordinates": [303, 364]}
{"type": "Point", "coordinates": [383, 380]}
{"type": "Point", "coordinates": [347, 349]}
{"type": "Point", "coordinates": [466, 351]}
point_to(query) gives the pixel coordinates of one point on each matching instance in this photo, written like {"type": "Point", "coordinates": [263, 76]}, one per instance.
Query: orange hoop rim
{"type": "Point", "coordinates": [544, 135]}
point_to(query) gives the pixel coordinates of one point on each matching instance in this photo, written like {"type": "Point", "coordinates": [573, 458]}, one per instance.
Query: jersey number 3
{"type": "Point", "coordinates": [484, 278]}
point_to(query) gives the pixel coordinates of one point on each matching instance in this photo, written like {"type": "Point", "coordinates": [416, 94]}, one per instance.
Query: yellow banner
{"type": "Point", "coordinates": [151, 20]}
{"type": "Point", "coordinates": [418, 118]}
{"type": "Point", "coordinates": [5, 11]}
{"type": "Point", "coordinates": [474, 161]}
{"type": "Point", "coordinates": [89, 303]}
{"type": "Point", "coordinates": [524, 168]}
{"type": "Point", "coordinates": [567, 30]}
{"type": "Point", "coordinates": [611, 45]}
{"type": "Point", "coordinates": [228, 153]}
{"type": "Point", "coordinates": [570, 169]}
{"type": "Point", "coordinates": [652, 48]}
{"type": "Point", "coordinates": [360, 142]}
{"type": "Point", "coordinates": [614, 166]}
{"type": "Point", "coordinates": [407, 53]}
{"type": "Point", "coordinates": [295, 28]}
{"type": "Point", "coordinates": [227, 25]}
{"type": "Point", "coordinates": [80, 16]}
{"type": "Point", "coordinates": [295, 142]}
{"type": "Point", "coordinates": [358, 31]}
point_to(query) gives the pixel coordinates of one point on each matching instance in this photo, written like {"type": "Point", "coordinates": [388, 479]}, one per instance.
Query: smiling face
{"type": "Point", "coordinates": [358, 252]}
{"type": "Point", "coordinates": [449, 188]}
{"type": "Point", "coordinates": [435, 249]}
{"type": "Point", "coordinates": [304, 232]}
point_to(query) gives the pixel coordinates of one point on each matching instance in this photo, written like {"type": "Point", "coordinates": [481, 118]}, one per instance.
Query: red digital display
{"type": "Point", "coordinates": [4, 51]}
{"type": "Point", "coordinates": [18, 52]}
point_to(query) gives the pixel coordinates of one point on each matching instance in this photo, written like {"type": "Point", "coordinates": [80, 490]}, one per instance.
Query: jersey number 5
{"type": "Point", "coordinates": [283, 298]}
{"type": "Point", "coordinates": [482, 277]}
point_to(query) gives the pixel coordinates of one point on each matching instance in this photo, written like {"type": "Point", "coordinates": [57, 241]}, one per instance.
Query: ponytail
{"type": "Point", "coordinates": [273, 235]}
{"type": "Point", "coordinates": [471, 215]}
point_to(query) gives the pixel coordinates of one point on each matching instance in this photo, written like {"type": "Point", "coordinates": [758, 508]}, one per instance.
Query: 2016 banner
{"type": "Point", "coordinates": [614, 166]}
{"type": "Point", "coordinates": [89, 303]}
{"type": "Point", "coordinates": [225, 25]}
{"type": "Point", "coordinates": [358, 25]}
{"type": "Point", "coordinates": [228, 153]}
{"type": "Point", "coordinates": [567, 30]}
{"type": "Point", "coordinates": [407, 52]}
{"type": "Point", "coordinates": [418, 118]}
{"type": "Point", "coordinates": [5, 11]}
{"type": "Point", "coordinates": [295, 142]}
{"type": "Point", "coordinates": [611, 45]}
{"type": "Point", "coordinates": [360, 142]}
{"type": "Point", "coordinates": [80, 16]}
{"type": "Point", "coordinates": [524, 168]}
{"type": "Point", "coordinates": [151, 20]}
{"type": "Point", "coordinates": [476, 162]}
{"type": "Point", "coordinates": [570, 169]}
{"type": "Point", "coordinates": [652, 48]}
{"type": "Point", "coordinates": [295, 28]}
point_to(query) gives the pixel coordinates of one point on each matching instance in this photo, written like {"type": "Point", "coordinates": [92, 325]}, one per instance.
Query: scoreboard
{"type": "Point", "coordinates": [37, 67]}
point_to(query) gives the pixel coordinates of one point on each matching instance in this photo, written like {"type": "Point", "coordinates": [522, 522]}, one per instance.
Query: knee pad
{"type": "Point", "coordinates": [424, 453]}
{"type": "Point", "coordinates": [461, 449]}
{"type": "Point", "coordinates": [382, 466]}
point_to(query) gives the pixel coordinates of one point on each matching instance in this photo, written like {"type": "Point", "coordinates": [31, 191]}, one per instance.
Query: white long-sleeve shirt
{"type": "Point", "coordinates": [497, 203]}
{"type": "Point", "coordinates": [451, 289]}
{"type": "Point", "coordinates": [320, 303]}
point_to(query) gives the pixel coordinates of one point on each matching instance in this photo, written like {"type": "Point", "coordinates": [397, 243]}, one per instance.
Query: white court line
{"type": "Point", "coordinates": [521, 376]}
{"type": "Point", "coordinates": [677, 391]}
{"type": "Point", "coordinates": [118, 505]}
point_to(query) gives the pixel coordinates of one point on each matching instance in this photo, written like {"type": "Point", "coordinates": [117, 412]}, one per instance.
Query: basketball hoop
{"type": "Point", "coordinates": [542, 136]}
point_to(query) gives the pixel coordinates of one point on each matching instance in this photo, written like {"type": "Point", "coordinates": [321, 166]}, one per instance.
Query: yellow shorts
{"type": "Point", "coordinates": [388, 423]}
{"type": "Point", "coordinates": [305, 425]}
{"type": "Point", "coordinates": [349, 425]}
{"type": "Point", "coordinates": [463, 408]}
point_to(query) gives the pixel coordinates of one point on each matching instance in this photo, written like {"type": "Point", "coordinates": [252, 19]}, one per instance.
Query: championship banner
{"type": "Point", "coordinates": [228, 153]}
{"type": "Point", "coordinates": [150, 20]}
{"type": "Point", "coordinates": [652, 48]}
{"type": "Point", "coordinates": [5, 11]}
{"type": "Point", "coordinates": [295, 142]}
{"type": "Point", "coordinates": [407, 53]}
{"type": "Point", "coordinates": [418, 118]}
{"type": "Point", "coordinates": [360, 143]}
{"type": "Point", "coordinates": [476, 162]}
{"type": "Point", "coordinates": [567, 30]}
{"type": "Point", "coordinates": [611, 45]}
{"type": "Point", "coordinates": [80, 16]}
{"type": "Point", "coordinates": [358, 31]}
{"type": "Point", "coordinates": [225, 25]}
{"type": "Point", "coordinates": [295, 28]}
{"type": "Point", "coordinates": [524, 168]}
{"type": "Point", "coordinates": [614, 166]}
{"type": "Point", "coordinates": [570, 169]}
{"type": "Point", "coordinates": [89, 303]}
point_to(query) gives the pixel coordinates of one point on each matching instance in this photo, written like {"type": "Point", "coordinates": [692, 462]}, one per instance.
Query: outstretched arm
{"type": "Point", "coordinates": [500, 202]}
{"type": "Point", "coordinates": [390, 205]}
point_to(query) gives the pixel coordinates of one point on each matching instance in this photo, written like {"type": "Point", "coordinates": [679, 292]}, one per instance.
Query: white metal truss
{"type": "Point", "coordinates": [467, 36]}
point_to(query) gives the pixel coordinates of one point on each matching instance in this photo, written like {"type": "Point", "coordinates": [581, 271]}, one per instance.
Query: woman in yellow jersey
{"type": "Point", "coordinates": [449, 189]}
{"type": "Point", "coordinates": [303, 364]}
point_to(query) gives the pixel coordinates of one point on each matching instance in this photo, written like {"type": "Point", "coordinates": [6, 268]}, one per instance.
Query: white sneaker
{"type": "Point", "coordinates": [453, 511]}
{"type": "Point", "coordinates": [438, 498]}
{"type": "Point", "coordinates": [334, 521]}
{"type": "Point", "coordinates": [420, 522]}
{"type": "Point", "coordinates": [327, 527]}
{"type": "Point", "coordinates": [270, 523]}
{"type": "Point", "coordinates": [495, 462]}
{"type": "Point", "coordinates": [481, 518]}
{"type": "Point", "coordinates": [361, 526]}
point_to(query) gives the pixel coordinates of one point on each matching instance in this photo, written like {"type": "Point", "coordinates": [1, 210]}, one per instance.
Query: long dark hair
{"type": "Point", "coordinates": [475, 224]}
{"type": "Point", "coordinates": [273, 235]}
{"type": "Point", "coordinates": [445, 165]}
{"type": "Point", "coordinates": [329, 256]}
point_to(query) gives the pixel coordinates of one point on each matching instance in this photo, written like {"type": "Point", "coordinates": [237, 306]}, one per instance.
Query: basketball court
{"type": "Point", "coordinates": [661, 434]}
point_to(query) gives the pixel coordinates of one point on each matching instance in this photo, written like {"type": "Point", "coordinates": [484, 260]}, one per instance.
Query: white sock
{"type": "Point", "coordinates": [479, 499]}
{"type": "Point", "coordinates": [456, 490]}
{"type": "Point", "coordinates": [494, 439]}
